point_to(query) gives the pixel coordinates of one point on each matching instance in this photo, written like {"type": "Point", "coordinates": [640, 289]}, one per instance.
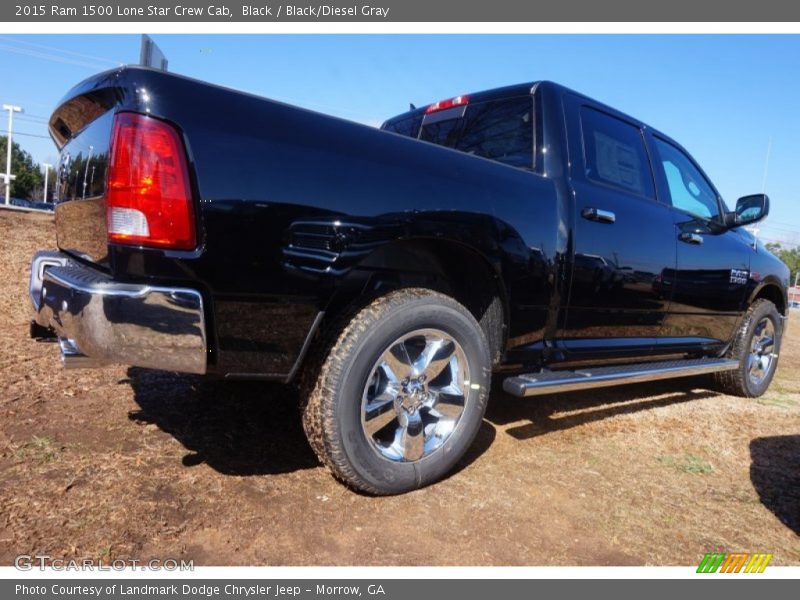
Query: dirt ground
{"type": "Point", "coordinates": [132, 463]}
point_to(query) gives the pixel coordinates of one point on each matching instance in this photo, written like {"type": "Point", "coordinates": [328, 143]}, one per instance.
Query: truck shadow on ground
{"type": "Point", "coordinates": [254, 428]}
{"type": "Point", "coordinates": [238, 427]}
{"type": "Point", "coordinates": [775, 474]}
{"type": "Point", "coordinates": [559, 411]}
{"type": "Point", "coordinates": [235, 427]}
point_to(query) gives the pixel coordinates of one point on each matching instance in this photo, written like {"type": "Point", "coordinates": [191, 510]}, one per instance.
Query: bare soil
{"type": "Point", "coordinates": [132, 463]}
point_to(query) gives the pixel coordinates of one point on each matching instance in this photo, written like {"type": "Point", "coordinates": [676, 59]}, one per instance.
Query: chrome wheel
{"type": "Point", "coordinates": [762, 351]}
{"type": "Point", "coordinates": [415, 395]}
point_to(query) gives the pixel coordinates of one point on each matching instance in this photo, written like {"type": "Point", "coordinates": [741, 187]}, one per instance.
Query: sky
{"type": "Point", "coordinates": [731, 100]}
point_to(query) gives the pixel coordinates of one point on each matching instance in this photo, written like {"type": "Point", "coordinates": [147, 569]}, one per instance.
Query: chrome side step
{"type": "Point", "coordinates": [547, 382]}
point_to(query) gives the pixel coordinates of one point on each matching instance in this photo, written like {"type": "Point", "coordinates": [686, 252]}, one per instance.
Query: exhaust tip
{"type": "Point", "coordinates": [72, 358]}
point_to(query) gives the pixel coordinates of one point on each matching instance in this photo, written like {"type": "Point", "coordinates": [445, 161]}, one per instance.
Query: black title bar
{"type": "Point", "coordinates": [182, 11]}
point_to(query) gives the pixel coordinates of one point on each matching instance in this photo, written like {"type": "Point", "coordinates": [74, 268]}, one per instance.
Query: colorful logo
{"type": "Point", "coordinates": [734, 563]}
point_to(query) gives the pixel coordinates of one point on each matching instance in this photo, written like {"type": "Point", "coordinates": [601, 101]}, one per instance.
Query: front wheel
{"type": "Point", "coordinates": [401, 393]}
{"type": "Point", "coordinates": [756, 347]}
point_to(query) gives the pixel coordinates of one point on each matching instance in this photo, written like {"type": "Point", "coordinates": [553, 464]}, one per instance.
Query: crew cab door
{"type": "Point", "coordinates": [623, 238]}
{"type": "Point", "coordinates": [710, 281]}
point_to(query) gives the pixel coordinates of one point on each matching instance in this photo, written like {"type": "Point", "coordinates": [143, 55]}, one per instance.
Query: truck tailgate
{"type": "Point", "coordinates": [82, 126]}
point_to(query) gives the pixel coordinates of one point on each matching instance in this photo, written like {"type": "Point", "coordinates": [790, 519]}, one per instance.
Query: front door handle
{"type": "Point", "coordinates": [691, 238]}
{"type": "Point", "coordinates": [598, 215]}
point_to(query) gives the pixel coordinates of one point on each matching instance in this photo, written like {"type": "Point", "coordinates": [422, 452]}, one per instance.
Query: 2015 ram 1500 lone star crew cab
{"type": "Point", "coordinates": [528, 231]}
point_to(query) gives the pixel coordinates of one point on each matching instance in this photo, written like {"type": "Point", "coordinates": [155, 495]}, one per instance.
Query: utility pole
{"type": "Point", "coordinates": [7, 176]}
{"type": "Point", "coordinates": [46, 173]}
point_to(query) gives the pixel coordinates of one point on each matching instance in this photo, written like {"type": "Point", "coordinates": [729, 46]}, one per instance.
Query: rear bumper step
{"type": "Point", "coordinates": [99, 320]}
{"type": "Point", "coordinates": [546, 382]}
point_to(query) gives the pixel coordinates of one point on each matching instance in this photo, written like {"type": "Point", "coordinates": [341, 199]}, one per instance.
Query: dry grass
{"type": "Point", "coordinates": [139, 464]}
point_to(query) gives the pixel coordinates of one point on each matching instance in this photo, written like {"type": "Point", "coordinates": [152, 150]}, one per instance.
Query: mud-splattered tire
{"type": "Point", "coordinates": [399, 332]}
{"type": "Point", "coordinates": [756, 347]}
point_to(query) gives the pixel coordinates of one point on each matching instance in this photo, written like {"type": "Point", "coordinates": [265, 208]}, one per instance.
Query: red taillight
{"type": "Point", "coordinates": [449, 103]}
{"type": "Point", "coordinates": [148, 201]}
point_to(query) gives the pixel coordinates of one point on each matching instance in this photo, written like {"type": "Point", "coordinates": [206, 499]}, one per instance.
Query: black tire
{"type": "Point", "coordinates": [739, 382]}
{"type": "Point", "coordinates": [332, 417]}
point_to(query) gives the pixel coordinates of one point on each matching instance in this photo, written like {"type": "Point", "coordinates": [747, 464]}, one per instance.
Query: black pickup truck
{"type": "Point", "coordinates": [528, 231]}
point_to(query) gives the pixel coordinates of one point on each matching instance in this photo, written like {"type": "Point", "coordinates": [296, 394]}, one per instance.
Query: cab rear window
{"type": "Point", "coordinates": [500, 130]}
{"type": "Point", "coordinates": [408, 126]}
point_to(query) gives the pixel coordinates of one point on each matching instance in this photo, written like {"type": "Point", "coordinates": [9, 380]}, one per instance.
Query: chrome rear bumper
{"type": "Point", "coordinates": [102, 321]}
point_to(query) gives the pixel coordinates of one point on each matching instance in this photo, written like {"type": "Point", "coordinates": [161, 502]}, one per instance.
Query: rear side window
{"type": "Point", "coordinates": [614, 153]}
{"type": "Point", "coordinates": [500, 130]}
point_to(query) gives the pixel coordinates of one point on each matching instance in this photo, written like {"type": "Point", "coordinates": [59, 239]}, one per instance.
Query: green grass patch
{"type": "Point", "coordinates": [779, 400]}
{"type": "Point", "coordinates": [688, 463]}
{"type": "Point", "coordinates": [42, 448]}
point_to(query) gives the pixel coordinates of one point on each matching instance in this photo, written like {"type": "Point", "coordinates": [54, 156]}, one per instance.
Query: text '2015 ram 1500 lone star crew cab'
{"type": "Point", "coordinates": [528, 231]}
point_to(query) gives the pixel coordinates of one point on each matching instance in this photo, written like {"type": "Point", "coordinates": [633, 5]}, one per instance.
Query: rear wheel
{"type": "Point", "coordinates": [400, 393]}
{"type": "Point", "coordinates": [756, 347]}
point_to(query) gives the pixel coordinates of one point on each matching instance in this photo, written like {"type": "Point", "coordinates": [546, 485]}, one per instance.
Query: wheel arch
{"type": "Point", "coordinates": [773, 291]}
{"type": "Point", "coordinates": [461, 271]}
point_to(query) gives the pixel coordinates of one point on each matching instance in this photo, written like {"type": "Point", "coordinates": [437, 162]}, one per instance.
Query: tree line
{"type": "Point", "coordinates": [790, 256]}
{"type": "Point", "coordinates": [29, 184]}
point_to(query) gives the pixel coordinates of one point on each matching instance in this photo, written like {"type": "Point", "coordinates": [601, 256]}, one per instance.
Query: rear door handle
{"type": "Point", "coordinates": [691, 238]}
{"type": "Point", "coordinates": [598, 214]}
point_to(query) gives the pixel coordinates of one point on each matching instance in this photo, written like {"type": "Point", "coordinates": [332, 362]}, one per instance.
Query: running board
{"type": "Point", "coordinates": [547, 382]}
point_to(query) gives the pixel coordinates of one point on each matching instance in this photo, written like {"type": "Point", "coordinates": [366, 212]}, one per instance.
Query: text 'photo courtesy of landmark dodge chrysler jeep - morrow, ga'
{"type": "Point", "coordinates": [528, 231]}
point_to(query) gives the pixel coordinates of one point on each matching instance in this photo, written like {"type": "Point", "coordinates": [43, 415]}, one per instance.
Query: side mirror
{"type": "Point", "coordinates": [750, 209]}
